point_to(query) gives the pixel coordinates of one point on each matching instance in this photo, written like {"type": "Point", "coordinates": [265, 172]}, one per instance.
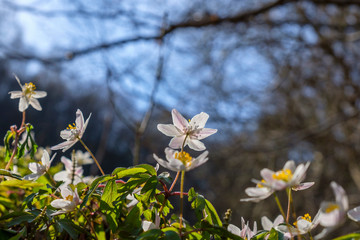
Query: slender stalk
{"type": "Point", "coordinates": [289, 203]}
{"type": "Point", "coordinates": [310, 236]}
{"type": "Point", "coordinates": [49, 177]}
{"type": "Point", "coordinates": [181, 198]}
{"type": "Point", "coordinates": [92, 155]}
{"type": "Point", "coordinates": [279, 206]}
{"type": "Point", "coordinates": [90, 224]}
{"type": "Point", "coordinates": [23, 120]}
{"type": "Point", "coordinates": [173, 184]}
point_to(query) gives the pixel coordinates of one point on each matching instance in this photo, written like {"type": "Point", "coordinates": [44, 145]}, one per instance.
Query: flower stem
{"type": "Point", "coordinates": [92, 155]}
{"type": "Point", "coordinates": [289, 203]}
{"type": "Point", "coordinates": [49, 177]}
{"type": "Point", "coordinates": [181, 199]}
{"type": "Point", "coordinates": [279, 205]}
{"type": "Point", "coordinates": [173, 184]}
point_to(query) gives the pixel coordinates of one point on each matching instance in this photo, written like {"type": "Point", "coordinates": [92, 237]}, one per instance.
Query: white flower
{"type": "Point", "coordinates": [131, 197]}
{"type": "Point", "coordinates": [354, 214]}
{"type": "Point", "coordinates": [28, 96]}
{"type": "Point", "coordinates": [267, 224]}
{"type": "Point", "coordinates": [73, 132]}
{"type": "Point", "coordinates": [41, 168]}
{"type": "Point", "coordinates": [303, 225]}
{"type": "Point", "coordinates": [192, 131]}
{"type": "Point", "coordinates": [245, 232]}
{"type": "Point", "coordinates": [289, 177]}
{"type": "Point", "coordinates": [68, 203]}
{"type": "Point", "coordinates": [333, 213]}
{"type": "Point", "coordinates": [181, 161]}
{"type": "Point", "coordinates": [83, 158]}
{"type": "Point", "coordinates": [71, 174]}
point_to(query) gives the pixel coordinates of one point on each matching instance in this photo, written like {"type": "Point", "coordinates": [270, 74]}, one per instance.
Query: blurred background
{"type": "Point", "coordinates": [279, 79]}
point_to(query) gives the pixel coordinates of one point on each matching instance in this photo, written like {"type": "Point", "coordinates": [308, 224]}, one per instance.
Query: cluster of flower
{"type": "Point", "coordinates": [184, 133]}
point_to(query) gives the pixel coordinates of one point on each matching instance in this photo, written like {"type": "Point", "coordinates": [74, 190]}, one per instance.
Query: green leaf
{"type": "Point", "coordinates": [171, 235]}
{"type": "Point", "coordinates": [69, 227]}
{"type": "Point", "coordinates": [152, 234]}
{"type": "Point", "coordinates": [150, 169]}
{"type": "Point", "coordinates": [351, 236]}
{"type": "Point", "coordinates": [129, 172]}
{"type": "Point", "coordinates": [28, 200]}
{"type": "Point", "coordinates": [7, 173]}
{"type": "Point", "coordinates": [93, 187]}
{"type": "Point", "coordinates": [219, 231]}
{"type": "Point", "coordinates": [110, 193]}
{"type": "Point", "coordinates": [9, 135]}
{"type": "Point", "coordinates": [21, 183]}
{"type": "Point", "coordinates": [165, 177]}
{"type": "Point", "coordinates": [21, 219]}
{"type": "Point", "coordinates": [210, 210]}
{"type": "Point", "coordinates": [149, 189]}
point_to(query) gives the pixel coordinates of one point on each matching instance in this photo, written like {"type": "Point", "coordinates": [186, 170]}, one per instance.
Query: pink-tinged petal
{"type": "Point", "coordinates": [290, 165]}
{"type": "Point", "coordinates": [166, 164]}
{"type": "Point", "coordinates": [199, 120]}
{"type": "Point", "coordinates": [39, 94]}
{"type": "Point", "coordinates": [65, 191]}
{"type": "Point", "coordinates": [303, 186]}
{"type": "Point", "coordinates": [67, 163]}
{"type": "Point", "coordinates": [64, 145]}
{"type": "Point", "coordinates": [195, 144]}
{"type": "Point", "coordinates": [85, 126]}
{"type": "Point", "coordinates": [66, 134]}
{"type": "Point", "coordinates": [199, 161]}
{"type": "Point", "coordinates": [234, 229]}
{"type": "Point", "coordinates": [354, 214]}
{"type": "Point", "coordinates": [79, 171]}
{"type": "Point", "coordinates": [23, 104]}
{"type": "Point", "coordinates": [15, 94]}
{"type": "Point", "coordinates": [79, 121]}
{"type": "Point", "coordinates": [169, 130]}
{"type": "Point", "coordinates": [31, 177]}
{"type": "Point", "coordinates": [177, 142]}
{"type": "Point", "coordinates": [36, 168]}
{"type": "Point", "coordinates": [267, 174]}
{"type": "Point", "coordinates": [278, 220]}
{"type": "Point", "coordinates": [169, 153]}
{"type": "Point", "coordinates": [61, 176]}
{"type": "Point", "coordinates": [257, 194]}
{"type": "Point", "coordinates": [35, 104]}
{"type": "Point", "coordinates": [202, 133]}
{"type": "Point", "coordinates": [178, 120]}
{"type": "Point", "coordinates": [58, 213]}
{"type": "Point", "coordinates": [340, 195]}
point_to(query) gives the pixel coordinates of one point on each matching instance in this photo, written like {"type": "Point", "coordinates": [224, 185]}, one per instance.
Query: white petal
{"type": "Point", "coordinates": [18, 80]}
{"type": "Point", "coordinates": [66, 134]}
{"type": "Point", "coordinates": [177, 142]}
{"type": "Point", "coordinates": [279, 219]}
{"type": "Point", "coordinates": [35, 104]}
{"type": "Point", "coordinates": [290, 165]}
{"type": "Point", "coordinates": [178, 120]}
{"type": "Point", "coordinates": [195, 144]}
{"type": "Point", "coordinates": [304, 225]}
{"type": "Point", "coordinates": [340, 195]}
{"type": "Point", "coordinates": [199, 120]}
{"type": "Point", "coordinates": [234, 229]}
{"type": "Point", "coordinates": [165, 164]}
{"type": "Point", "coordinates": [60, 203]}
{"type": "Point", "coordinates": [67, 163]}
{"type": "Point", "coordinates": [169, 130]}
{"type": "Point", "coordinates": [85, 126]}
{"type": "Point", "coordinates": [31, 177]}
{"type": "Point", "coordinates": [39, 94]}
{"type": "Point", "coordinates": [45, 159]}
{"type": "Point", "coordinates": [303, 186]}
{"type": "Point", "coordinates": [36, 168]}
{"type": "Point", "coordinates": [199, 161]}
{"type": "Point", "coordinates": [23, 104]}
{"type": "Point", "coordinates": [354, 214]}
{"type": "Point", "coordinates": [61, 176]}
{"type": "Point", "coordinates": [266, 223]}
{"type": "Point", "coordinates": [202, 133]}
{"type": "Point", "coordinates": [16, 94]}
{"type": "Point", "coordinates": [147, 225]}
{"type": "Point", "coordinates": [79, 121]}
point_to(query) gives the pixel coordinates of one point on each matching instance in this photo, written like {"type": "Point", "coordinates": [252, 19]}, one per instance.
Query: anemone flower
{"type": "Point", "coordinates": [28, 96]}
{"type": "Point", "coordinates": [39, 169]}
{"type": "Point", "coordinates": [191, 131]}
{"type": "Point", "coordinates": [181, 161]}
{"type": "Point", "coordinates": [73, 132]}
{"type": "Point", "coordinates": [68, 203]}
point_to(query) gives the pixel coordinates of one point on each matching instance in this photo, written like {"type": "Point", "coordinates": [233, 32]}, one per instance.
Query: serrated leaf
{"type": "Point", "coordinates": [152, 234]}
{"type": "Point", "coordinates": [21, 219]}
{"type": "Point", "coordinates": [7, 173]}
{"type": "Point", "coordinates": [21, 183]}
{"type": "Point", "coordinates": [171, 235]}
{"type": "Point", "coordinates": [93, 187]}
{"type": "Point", "coordinates": [210, 210]}
{"type": "Point", "coordinates": [20, 235]}
{"type": "Point", "coordinates": [129, 172]}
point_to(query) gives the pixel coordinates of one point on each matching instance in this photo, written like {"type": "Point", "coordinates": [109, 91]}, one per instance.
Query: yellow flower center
{"type": "Point", "coordinates": [259, 185]}
{"type": "Point", "coordinates": [69, 198]}
{"type": "Point", "coordinates": [331, 207]}
{"type": "Point", "coordinates": [284, 175]}
{"type": "Point", "coordinates": [70, 127]}
{"type": "Point", "coordinates": [29, 88]}
{"type": "Point", "coordinates": [184, 157]}
{"type": "Point", "coordinates": [306, 217]}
